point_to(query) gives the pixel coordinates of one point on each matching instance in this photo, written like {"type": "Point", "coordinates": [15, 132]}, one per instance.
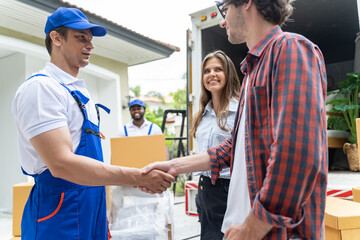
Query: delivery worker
{"type": "Point", "coordinates": [139, 126]}
{"type": "Point", "coordinates": [59, 140]}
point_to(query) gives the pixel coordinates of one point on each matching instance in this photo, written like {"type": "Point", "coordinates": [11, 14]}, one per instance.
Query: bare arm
{"type": "Point", "coordinates": [193, 163]}
{"type": "Point", "coordinates": [55, 149]}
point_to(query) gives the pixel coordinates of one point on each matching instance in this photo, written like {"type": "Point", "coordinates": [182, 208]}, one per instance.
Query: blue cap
{"type": "Point", "coordinates": [137, 102]}
{"type": "Point", "coordinates": [72, 18]}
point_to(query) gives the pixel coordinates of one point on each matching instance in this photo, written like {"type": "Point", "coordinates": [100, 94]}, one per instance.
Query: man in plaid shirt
{"type": "Point", "coordinates": [278, 149]}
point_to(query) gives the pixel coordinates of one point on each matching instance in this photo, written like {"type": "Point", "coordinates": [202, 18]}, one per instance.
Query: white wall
{"type": "Point", "coordinates": [104, 91]}
{"type": "Point", "coordinates": [12, 70]}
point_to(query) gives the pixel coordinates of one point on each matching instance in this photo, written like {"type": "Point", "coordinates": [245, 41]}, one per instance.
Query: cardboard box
{"type": "Point", "coordinates": [137, 151]}
{"type": "Point", "coordinates": [21, 193]}
{"type": "Point", "coordinates": [356, 194]}
{"type": "Point", "coordinates": [16, 238]}
{"type": "Point", "coordinates": [342, 219]}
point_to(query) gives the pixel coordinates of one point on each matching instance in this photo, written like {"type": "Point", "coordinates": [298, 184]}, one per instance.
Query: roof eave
{"type": "Point", "coordinates": [112, 28]}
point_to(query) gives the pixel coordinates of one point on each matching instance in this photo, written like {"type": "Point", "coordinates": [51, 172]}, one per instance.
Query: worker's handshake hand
{"type": "Point", "coordinates": [160, 169]}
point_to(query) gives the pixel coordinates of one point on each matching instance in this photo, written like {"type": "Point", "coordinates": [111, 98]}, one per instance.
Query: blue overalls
{"type": "Point", "coordinates": [126, 133]}
{"type": "Point", "coordinates": [61, 210]}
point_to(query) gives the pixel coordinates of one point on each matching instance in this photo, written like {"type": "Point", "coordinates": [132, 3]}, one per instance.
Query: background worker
{"type": "Point", "coordinates": [278, 150]}
{"type": "Point", "coordinates": [139, 126]}
{"type": "Point", "coordinates": [59, 140]}
{"type": "Point", "coordinates": [212, 124]}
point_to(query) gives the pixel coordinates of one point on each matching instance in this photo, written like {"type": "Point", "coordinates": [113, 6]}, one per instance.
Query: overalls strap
{"type": "Point", "coordinates": [150, 128]}
{"type": "Point", "coordinates": [80, 99]}
{"type": "Point", "coordinates": [125, 130]}
{"type": "Point", "coordinates": [97, 105]}
{"type": "Point", "coordinates": [37, 75]}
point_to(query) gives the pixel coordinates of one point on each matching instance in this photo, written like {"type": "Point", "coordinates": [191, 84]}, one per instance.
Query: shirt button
{"type": "Point", "coordinates": [201, 179]}
{"type": "Point", "coordinates": [201, 187]}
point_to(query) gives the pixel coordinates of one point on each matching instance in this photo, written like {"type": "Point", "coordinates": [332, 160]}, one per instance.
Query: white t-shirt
{"type": "Point", "coordinates": [41, 104]}
{"type": "Point", "coordinates": [143, 130]}
{"type": "Point", "coordinates": [238, 203]}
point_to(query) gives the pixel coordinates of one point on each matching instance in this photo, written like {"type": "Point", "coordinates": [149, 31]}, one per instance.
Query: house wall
{"type": "Point", "coordinates": [19, 35]}
{"type": "Point", "coordinates": [104, 91]}
{"type": "Point", "coordinates": [13, 73]}
{"type": "Point", "coordinates": [122, 70]}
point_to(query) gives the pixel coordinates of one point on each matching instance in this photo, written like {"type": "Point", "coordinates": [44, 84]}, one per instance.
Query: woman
{"type": "Point", "coordinates": [220, 87]}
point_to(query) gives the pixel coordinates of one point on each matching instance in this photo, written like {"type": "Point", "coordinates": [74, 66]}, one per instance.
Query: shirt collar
{"type": "Point", "coordinates": [145, 123]}
{"type": "Point", "coordinates": [208, 107]}
{"type": "Point", "coordinates": [259, 47]}
{"type": "Point", "coordinates": [233, 104]}
{"type": "Point", "coordinates": [59, 75]}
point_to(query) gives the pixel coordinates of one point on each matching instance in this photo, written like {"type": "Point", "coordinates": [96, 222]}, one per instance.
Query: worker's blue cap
{"type": "Point", "coordinates": [72, 18]}
{"type": "Point", "coordinates": [137, 102]}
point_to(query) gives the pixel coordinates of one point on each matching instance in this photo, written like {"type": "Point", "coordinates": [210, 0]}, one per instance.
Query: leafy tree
{"type": "Point", "coordinates": [156, 94]}
{"type": "Point", "coordinates": [155, 116]}
{"type": "Point", "coordinates": [179, 99]}
{"type": "Point", "coordinates": [136, 90]}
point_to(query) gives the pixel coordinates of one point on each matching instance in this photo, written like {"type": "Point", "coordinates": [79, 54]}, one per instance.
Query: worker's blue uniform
{"type": "Point", "coordinates": [61, 210]}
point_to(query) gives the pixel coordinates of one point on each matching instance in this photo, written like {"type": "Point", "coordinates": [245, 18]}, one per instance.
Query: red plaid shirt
{"type": "Point", "coordinates": [286, 140]}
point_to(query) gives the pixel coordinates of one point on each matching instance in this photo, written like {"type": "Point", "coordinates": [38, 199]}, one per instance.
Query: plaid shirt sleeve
{"type": "Point", "coordinates": [220, 158]}
{"type": "Point", "coordinates": [298, 130]}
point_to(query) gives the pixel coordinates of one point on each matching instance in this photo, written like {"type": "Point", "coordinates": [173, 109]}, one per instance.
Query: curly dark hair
{"type": "Point", "coordinates": [274, 11]}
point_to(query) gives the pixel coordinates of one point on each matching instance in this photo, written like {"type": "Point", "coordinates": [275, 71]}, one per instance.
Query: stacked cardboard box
{"type": "Point", "coordinates": [356, 194]}
{"type": "Point", "coordinates": [342, 219]}
{"type": "Point", "coordinates": [21, 193]}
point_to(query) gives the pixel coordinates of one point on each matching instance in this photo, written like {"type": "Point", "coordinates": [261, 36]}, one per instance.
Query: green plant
{"type": "Point", "coordinates": [179, 99]}
{"type": "Point", "coordinates": [155, 116]}
{"type": "Point", "coordinates": [136, 90]}
{"type": "Point", "coordinates": [337, 123]}
{"type": "Point", "coordinates": [347, 102]}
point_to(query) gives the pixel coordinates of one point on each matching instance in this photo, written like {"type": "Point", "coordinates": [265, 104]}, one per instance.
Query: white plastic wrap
{"type": "Point", "coordinates": [135, 215]}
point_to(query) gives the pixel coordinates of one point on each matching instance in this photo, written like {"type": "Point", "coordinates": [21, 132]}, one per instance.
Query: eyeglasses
{"type": "Point", "coordinates": [221, 6]}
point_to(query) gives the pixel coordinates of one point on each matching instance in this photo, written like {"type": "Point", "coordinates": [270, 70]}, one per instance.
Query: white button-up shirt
{"type": "Point", "coordinates": [143, 130]}
{"type": "Point", "coordinates": [209, 133]}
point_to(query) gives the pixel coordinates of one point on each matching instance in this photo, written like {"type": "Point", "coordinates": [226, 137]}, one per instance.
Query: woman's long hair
{"type": "Point", "coordinates": [230, 90]}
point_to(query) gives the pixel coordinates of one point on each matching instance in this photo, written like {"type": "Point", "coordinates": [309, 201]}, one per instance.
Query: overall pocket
{"type": "Point", "coordinates": [58, 216]}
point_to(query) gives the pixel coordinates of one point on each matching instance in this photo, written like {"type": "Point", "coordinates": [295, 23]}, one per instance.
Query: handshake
{"type": "Point", "coordinates": [158, 177]}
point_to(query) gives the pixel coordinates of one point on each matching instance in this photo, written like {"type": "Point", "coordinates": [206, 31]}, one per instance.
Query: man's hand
{"type": "Point", "coordinates": [198, 162]}
{"type": "Point", "coordinates": [156, 181]}
{"type": "Point", "coordinates": [163, 166]}
{"type": "Point", "coordinates": [239, 232]}
{"type": "Point", "coordinates": [252, 229]}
